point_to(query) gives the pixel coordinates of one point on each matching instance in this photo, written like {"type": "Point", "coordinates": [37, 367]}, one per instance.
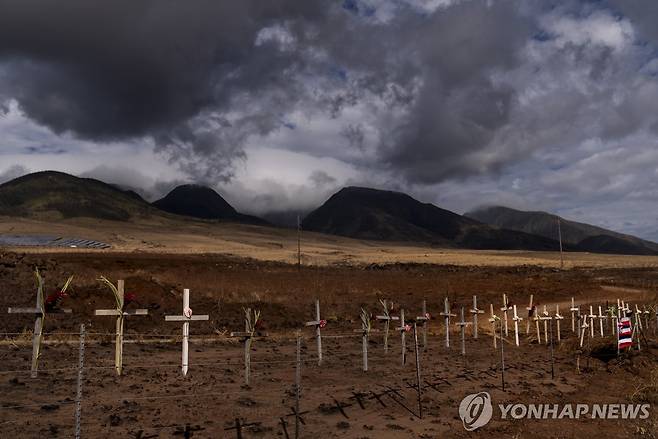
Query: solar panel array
{"type": "Point", "coordinates": [49, 241]}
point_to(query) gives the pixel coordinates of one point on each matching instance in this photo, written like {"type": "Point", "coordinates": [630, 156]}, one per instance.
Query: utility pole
{"type": "Point", "coordinates": [299, 243]}
{"type": "Point", "coordinates": [559, 233]}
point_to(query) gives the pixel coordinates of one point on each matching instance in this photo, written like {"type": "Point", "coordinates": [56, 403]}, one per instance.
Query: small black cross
{"type": "Point", "coordinates": [358, 397]}
{"type": "Point", "coordinates": [187, 431]}
{"type": "Point", "coordinates": [341, 406]}
{"type": "Point", "coordinates": [298, 414]}
{"type": "Point", "coordinates": [239, 425]}
{"type": "Point", "coordinates": [378, 397]}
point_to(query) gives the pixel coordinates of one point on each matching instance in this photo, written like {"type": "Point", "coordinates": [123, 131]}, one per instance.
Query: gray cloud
{"type": "Point", "coordinates": [531, 103]}
{"type": "Point", "coordinates": [12, 172]}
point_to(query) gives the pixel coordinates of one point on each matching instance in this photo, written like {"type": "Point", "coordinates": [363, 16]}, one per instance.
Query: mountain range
{"type": "Point", "coordinates": [354, 212]}
{"type": "Point", "coordinates": [583, 236]}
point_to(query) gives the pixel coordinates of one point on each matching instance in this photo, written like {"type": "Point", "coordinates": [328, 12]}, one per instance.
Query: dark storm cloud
{"type": "Point", "coordinates": [423, 92]}
{"type": "Point", "coordinates": [165, 68]}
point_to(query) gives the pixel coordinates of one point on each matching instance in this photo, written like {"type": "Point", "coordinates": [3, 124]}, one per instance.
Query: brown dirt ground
{"type": "Point", "coordinates": [152, 400]}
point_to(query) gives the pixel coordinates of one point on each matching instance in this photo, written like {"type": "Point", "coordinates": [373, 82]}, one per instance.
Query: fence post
{"type": "Point", "coordinates": [298, 379]}
{"type": "Point", "coordinates": [78, 396]}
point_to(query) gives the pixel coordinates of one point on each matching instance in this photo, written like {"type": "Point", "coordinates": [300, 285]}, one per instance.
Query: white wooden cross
{"type": "Point", "coordinates": [120, 314]}
{"type": "Point", "coordinates": [591, 316]}
{"type": "Point", "coordinates": [387, 318]}
{"type": "Point", "coordinates": [601, 318]}
{"type": "Point", "coordinates": [638, 313]}
{"type": "Point", "coordinates": [403, 328]}
{"type": "Point", "coordinates": [613, 319]}
{"type": "Point", "coordinates": [583, 329]}
{"type": "Point", "coordinates": [531, 313]}
{"type": "Point", "coordinates": [505, 308]}
{"type": "Point", "coordinates": [462, 328]}
{"type": "Point", "coordinates": [39, 312]}
{"type": "Point", "coordinates": [424, 320]}
{"type": "Point", "coordinates": [251, 319]}
{"type": "Point", "coordinates": [573, 310]}
{"type": "Point", "coordinates": [446, 315]}
{"type": "Point", "coordinates": [475, 311]}
{"type": "Point", "coordinates": [646, 313]}
{"type": "Point", "coordinates": [545, 317]}
{"type": "Point", "coordinates": [366, 329]}
{"type": "Point", "coordinates": [557, 318]}
{"type": "Point", "coordinates": [492, 319]}
{"type": "Point", "coordinates": [536, 319]}
{"type": "Point", "coordinates": [319, 324]}
{"type": "Point", "coordinates": [516, 319]}
{"type": "Point", "coordinates": [186, 318]}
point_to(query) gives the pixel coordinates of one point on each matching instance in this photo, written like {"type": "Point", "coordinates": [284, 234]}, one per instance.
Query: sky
{"type": "Point", "coordinates": [533, 104]}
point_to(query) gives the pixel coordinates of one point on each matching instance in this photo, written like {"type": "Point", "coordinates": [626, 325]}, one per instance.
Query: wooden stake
{"type": "Point", "coordinates": [298, 383]}
{"type": "Point", "coordinates": [475, 311]}
{"type": "Point", "coordinates": [502, 357]}
{"type": "Point", "coordinates": [78, 394]}
{"type": "Point", "coordinates": [420, 404]}
{"type": "Point", "coordinates": [120, 314]}
{"type": "Point", "coordinates": [552, 356]}
{"type": "Point", "coordinates": [319, 324]}
{"type": "Point", "coordinates": [186, 317]}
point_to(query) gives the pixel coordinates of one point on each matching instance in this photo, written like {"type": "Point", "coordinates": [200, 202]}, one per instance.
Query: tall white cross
{"type": "Point", "coordinates": [120, 314]}
{"type": "Point", "coordinates": [424, 321]}
{"type": "Point", "coordinates": [536, 319]}
{"type": "Point", "coordinates": [492, 319]}
{"type": "Point", "coordinates": [475, 311]}
{"type": "Point", "coordinates": [573, 310]}
{"type": "Point", "coordinates": [39, 312]}
{"type": "Point", "coordinates": [545, 317]}
{"type": "Point", "coordinates": [186, 318]}
{"type": "Point", "coordinates": [591, 316]}
{"type": "Point", "coordinates": [403, 328]}
{"type": "Point", "coordinates": [462, 327]}
{"type": "Point", "coordinates": [558, 317]}
{"type": "Point", "coordinates": [446, 315]}
{"type": "Point", "coordinates": [531, 313]}
{"type": "Point", "coordinates": [638, 313]}
{"type": "Point", "coordinates": [516, 319]}
{"type": "Point", "coordinates": [387, 318]}
{"type": "Point", "coordinates": [505, 308]}
{"type": "Point", "coordinates": [601, 318]}
{"type": "Point", "coordinates": [319, 324]}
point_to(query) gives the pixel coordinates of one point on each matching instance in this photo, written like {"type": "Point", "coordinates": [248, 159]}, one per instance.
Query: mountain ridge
{"type": "Point", "coordinates": [587, 237]}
